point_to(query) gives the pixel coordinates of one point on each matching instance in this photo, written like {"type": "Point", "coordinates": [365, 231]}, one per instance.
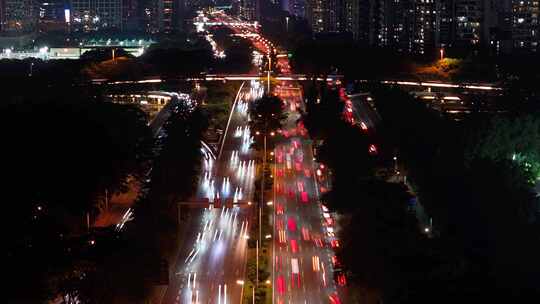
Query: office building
{"type": "Point", "coordinates": [18, 16]}
{"type": "Point", "coordinates": [468, 22]}
{"type": "Point", "coordinates": [357, 17]}
{"type": "Point", "coordinates": [325, 16]}
{"type": "Point", "coordinates": [94, 15]}
{"type": "Point", "coordinates": [444, 23]}
{"type": "Point", "coordinates": [294, 7]}
{"type": "Point", "coordinates": [525, 26]}
{"type": "Point", "coordinates": [250, 10]}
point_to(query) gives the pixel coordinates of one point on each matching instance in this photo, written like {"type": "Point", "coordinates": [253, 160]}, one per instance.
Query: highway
{"type": "Point", "coordinates": [214, 254]}
{"type": "Point", "coordinates": [213, 258]}
{"type": "Point", "coordinates": [303, 255]}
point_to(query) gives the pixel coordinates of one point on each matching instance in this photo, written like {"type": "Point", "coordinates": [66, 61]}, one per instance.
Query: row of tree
{"type": "Point", "coordinates": [356, 61]}
{"type": "Point", "coordinates": [62, 153]}
{"type": "Point", "coordinates": [479, 198]}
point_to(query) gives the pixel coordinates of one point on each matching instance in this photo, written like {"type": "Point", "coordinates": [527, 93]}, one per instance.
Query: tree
{"type": "Point", "coordinates": [379, 238]}
{"type": "Point", "coordinates": [324, 111]}
{"type": "Point", "coordinates": [509, 138]}
{"type": "Point", "coordinates": [267, 115]}
{"type": "Point", "coordinates": [103, 54]}
{"type": "Point", "coordinates": [56, 167]}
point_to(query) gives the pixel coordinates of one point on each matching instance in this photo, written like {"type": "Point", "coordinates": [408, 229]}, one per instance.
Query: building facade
{"type": "Point", "coordinates": [250, 10]}
{"type": "Point", "coordinates": [525, 26]}
{"type": "Point", "coordinates": [357, 17]}
{"type": "Point", "coordinates": [325, 16]}
{"type": "Point", "coordinates": [94, 15]}
{"type": "Point", "coordinates": [18, 16]}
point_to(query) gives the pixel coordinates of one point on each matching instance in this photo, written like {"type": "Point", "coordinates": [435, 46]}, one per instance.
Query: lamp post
{"type": "Point", "coordinates": [269, 69]}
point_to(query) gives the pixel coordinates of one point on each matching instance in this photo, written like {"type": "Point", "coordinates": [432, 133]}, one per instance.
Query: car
{"type": "Point", "coordinates": [318, 242]}
{"type": "Point", "coordinates": [315, 263]}
{"type": "Point", "coordinates": [291, 224]}
{"type": "Point", "coordinates": [295, 272]}
{"type": "Point", "coordinates": [294, 246]}
{"type": "Point", "coordinates": [340, 278]}
{"type": "Point", "coordinates": [300, 185]}
{"type": "Point", "coordinates": [279, 208]}
{"type": "Point", "coordinates": [336, 263]}
{"type": "Point", "coordinates": [282, 236]}
{"type": "Point", "coordinates": [334, 299]}
{"type": "Point", "coordinates": [281, 284]}
{"type": "Point", "coordinates": [305, 234]}
{"type": "Point", "coordinates": [304, 197]}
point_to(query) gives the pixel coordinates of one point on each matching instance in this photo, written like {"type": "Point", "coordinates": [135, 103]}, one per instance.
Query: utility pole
{"type": "Point", "coordinates": [106, 199]}
{"type": "Point", "coordinates": [257, 273]}
{"type": "Point", "coordinates": [269, 69]}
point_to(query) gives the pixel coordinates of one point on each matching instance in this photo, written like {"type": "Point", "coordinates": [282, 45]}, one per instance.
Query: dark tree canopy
{"type": "Point", "coordinates": [267, 114]}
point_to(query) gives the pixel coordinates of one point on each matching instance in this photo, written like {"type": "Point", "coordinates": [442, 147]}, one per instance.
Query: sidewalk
{"type": "Point", "coordinates": [119, 203]}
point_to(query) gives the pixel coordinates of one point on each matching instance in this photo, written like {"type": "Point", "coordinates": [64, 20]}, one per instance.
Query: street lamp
{"type": "Point", "coordinates": [269, 68]}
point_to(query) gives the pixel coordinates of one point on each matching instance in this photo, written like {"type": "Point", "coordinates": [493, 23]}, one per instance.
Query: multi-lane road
{"type": "Point", "coordinates": [213, 256]}
{"type": "Point", "coordinates": [303, 258]}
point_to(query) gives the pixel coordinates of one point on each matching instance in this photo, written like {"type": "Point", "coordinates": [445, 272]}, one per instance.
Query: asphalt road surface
{"type": "Point", "coordinates": [303, 254]}
{"type": "Point", "coordinates": [214, 255]}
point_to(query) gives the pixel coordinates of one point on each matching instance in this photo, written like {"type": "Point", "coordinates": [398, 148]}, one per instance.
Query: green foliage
{"type": "Point", "coordinates": [59, 161]}
{"type": "Point", "coordinates": [344, 148]}
{"type": "Point", "coordinates": [103, 54]}
{"type": "Point", "coordinates": [267, 115]}
{"type": "Point", "coordinates": [479, 199]}
{"type": "Point", "coordinates": [218, 98]}
{"type": "Point", "coordinates": [175, 171]}
{"type": "Point", "coordinates": [378, 236]}
{"type": "Point", "coordinates": [510, 138]}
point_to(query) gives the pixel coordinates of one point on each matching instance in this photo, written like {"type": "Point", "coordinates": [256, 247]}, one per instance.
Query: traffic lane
{"type": "Point", "coordinates": [176, 278]}
{"type": "Point", "coordinates": [311, 279]}
{"type": "Point", "coordinates": [316, 221]}
{"type": "Point", "coordinates": [293, 249]}
{"type": "Point", "coordinates": [364, 112]}
{"type": "Point", "coordinates": [310, 211]}
{"type": "Point", "coordinates": [211, 268]}
{"type": "Point", "coordinates": [210, 260]}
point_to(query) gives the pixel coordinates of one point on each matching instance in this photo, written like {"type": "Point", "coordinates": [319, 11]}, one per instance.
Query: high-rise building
{"type": "Point", "coordinates": [130, 15]}
{"type": "Point", "coordinates": [357, 17]}
{"type": "Point", "coordinates": [468, 22]}
{"type": "Point", "coordinates": [93, 15]}
{"type": "Point", "coordinates": [444, 24]}
{"type": "Point", "coordinates": [18, 16]}
{"type": "Point", "coordinates": [423, 26]}
{"type": "Point", "coordinates": [378, 22]}
{"type": "Point", "coordinates": [325, 16]}
{"type": "Point", "coordinates": [163, 16]}
{"type": "Point", "coordinates": [294, 7]}
{"type": "Point", "coordinates": [250, 10]}
{"type": "Point", "coordinates": [497, 26]}
{"type": "Point", "coordinates": [52, 16]}
{"type": "Point", "coordinates": [525, 26]}
{"type": "Point", "coordinates": [405, 25]}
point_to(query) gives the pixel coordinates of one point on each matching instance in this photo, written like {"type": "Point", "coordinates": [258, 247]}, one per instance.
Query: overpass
{"type": "Point", "coordinates": [304, 77]}
{"type": "Point", "coordinates": [220, 77]}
